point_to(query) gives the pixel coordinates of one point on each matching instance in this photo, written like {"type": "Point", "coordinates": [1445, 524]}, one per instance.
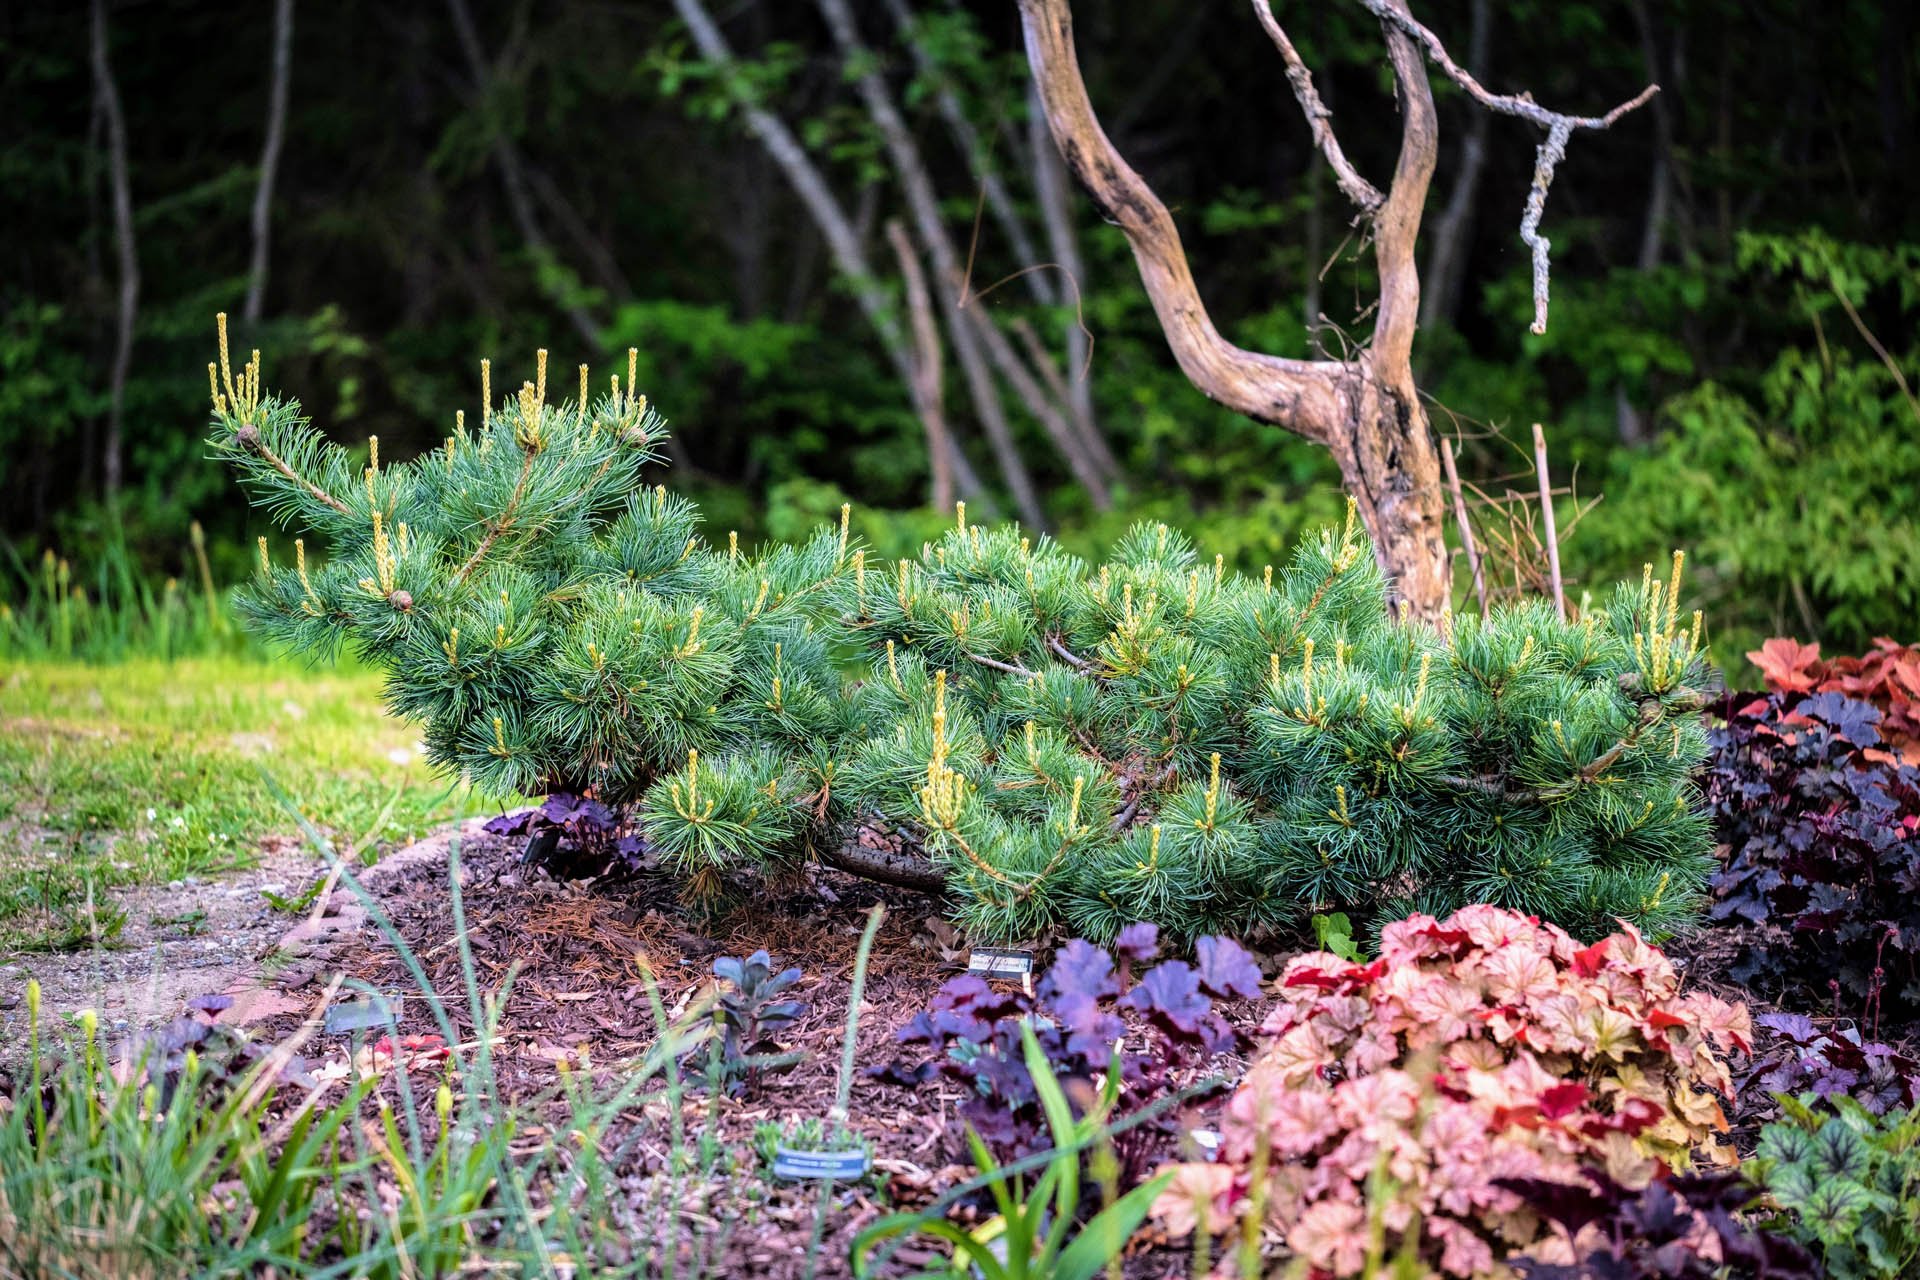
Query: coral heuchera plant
{"type": "Point", "coordinates": [1482, 1047]}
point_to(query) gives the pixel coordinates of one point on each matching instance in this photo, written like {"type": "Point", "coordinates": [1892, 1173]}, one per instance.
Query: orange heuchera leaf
{"type": "Point", "coordinates": [1788, 665]}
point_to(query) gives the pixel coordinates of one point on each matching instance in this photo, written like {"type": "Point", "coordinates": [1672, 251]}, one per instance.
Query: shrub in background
{"type": "Point", "coordinates": [1398, 1095]}
{"type": "Point", "coordinates": [1155, 739]}
{"type": "Point", "coordinates": [1823, 828]}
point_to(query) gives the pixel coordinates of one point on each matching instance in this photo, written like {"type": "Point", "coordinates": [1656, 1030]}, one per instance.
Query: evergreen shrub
{"type": "Point", "coordinates": [1153, 738]}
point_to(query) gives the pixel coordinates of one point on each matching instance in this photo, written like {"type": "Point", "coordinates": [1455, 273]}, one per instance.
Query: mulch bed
{"type": "Point", "coordinates": [577, 955]}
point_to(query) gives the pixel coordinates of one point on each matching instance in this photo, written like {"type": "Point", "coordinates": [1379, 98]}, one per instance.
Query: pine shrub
{"type": "Point", "coordinates": [1154, 738]}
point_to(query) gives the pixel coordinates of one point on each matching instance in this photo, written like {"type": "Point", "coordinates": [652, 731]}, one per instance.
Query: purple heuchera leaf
{"type": "Point", "coordinates": [1169, 997]}
{"type": "Point", "coordinates": [511, 824]}
{"type": "Point", "coordinates": [1081, 972]}
{"type": "Point", "coordinates": [212, 1003]}
{"type": "Point", "coordinates": [577, 813]}
{"type": "Point", "coordinates": [1797, 1027]}
{"type": "Point", "coordinates": [1138, 943]}
{"type": "Point", "coordinates": [1225, 969]}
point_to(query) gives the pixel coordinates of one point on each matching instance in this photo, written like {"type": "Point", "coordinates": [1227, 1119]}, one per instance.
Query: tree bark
{"type": "Point", "coordinates": [929, 377]}
{"type": "Point", "coordinates": [108, 96]}
{"type": "Point", "coordinates": [1366, 410]}
{"type": "Point", "coordinates": [270, 159]}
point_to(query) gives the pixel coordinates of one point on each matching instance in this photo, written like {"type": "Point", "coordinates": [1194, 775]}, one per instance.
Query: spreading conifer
{"type": "Point", "coordinates": [1155, 738]}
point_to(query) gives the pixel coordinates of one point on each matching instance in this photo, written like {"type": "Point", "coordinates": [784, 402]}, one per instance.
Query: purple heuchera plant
{"type": "Point", "coordinates": [580, 822]}
{"type": "Point", "coordinates": [1079, 1014]}
{"type": "Point", "coordinates": [1804, 1058]}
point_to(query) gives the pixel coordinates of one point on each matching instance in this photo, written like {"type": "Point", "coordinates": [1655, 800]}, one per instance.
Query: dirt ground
{"type": "Point", "coordinates": [575, 957]}
{"type": "Point", "coordinates": [181, 940]}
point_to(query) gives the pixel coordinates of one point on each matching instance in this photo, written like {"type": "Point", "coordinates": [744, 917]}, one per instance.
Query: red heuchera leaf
{"type": "Point", "coordinates": [1588, 961]}
{"type": "Point", "coordinates": [1338, 981]}
{"type": "Point", "coordinates": [1483, 1047]}
{"type": "Point", "coordinates": [1562, 1100]}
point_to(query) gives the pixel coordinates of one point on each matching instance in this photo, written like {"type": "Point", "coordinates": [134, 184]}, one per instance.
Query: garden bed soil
{"type": "Point", "coordinates": [579, 956]}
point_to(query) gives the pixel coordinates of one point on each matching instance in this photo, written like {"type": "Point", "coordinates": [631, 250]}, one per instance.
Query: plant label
{"type": "Point", "coordinates": [1000, 962]}
{"type": "Point", "coordinates": [358, 1015]}
{"type": "Point", "coordinates": [841, 1166]}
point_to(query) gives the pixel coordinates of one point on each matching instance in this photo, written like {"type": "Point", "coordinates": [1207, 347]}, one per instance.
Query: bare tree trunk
{"type": "Point", "coordinates": [1453, 230]}
{"type": "Point", "coordinates": [844, 244]}
{"type": "Point", "coordinates": [1050, 188]}
{"type": "Point", "coordinates": [1366, 411]}
{"type": "Point", "coordinates": [270, 159]}
{"type": "Point", "coordinates": [924, 208]}
{"type": "Point", "coordinates": [513, 178]}
{"type": "Point", "coordinates": [108, 95]}
{"type": "Point", "coordinates": [929, 378]}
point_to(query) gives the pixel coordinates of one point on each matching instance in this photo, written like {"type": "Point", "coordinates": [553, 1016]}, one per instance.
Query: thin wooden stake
{"type": "Point", "coordinates": [1466, 528]}
{"type": "Point", "coordinates": [1546, 512]}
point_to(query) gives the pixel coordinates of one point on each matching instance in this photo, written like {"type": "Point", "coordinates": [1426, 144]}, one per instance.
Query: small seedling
{"type": "Point", "coordinates": [751, 1013]}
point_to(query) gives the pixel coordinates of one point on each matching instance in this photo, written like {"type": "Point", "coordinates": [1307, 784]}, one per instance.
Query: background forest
{"type": "Point", "coordinates": [379, 194]}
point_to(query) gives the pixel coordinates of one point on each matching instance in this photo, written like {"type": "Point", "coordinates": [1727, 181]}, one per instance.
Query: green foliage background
{"type": "Point", "coordinates": [1766, 433]}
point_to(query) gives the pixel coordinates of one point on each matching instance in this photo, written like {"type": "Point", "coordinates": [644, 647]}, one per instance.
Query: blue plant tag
{"type": "Point", "coordinates": [1000, 962]}
{"type": "Point", "coordinates": [841, 1166]}
{"type": "Point", "coordinates": [358, 1015]}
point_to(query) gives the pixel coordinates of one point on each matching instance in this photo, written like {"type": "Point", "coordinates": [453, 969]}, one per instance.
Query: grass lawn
{"type": "Point", "coordinates": [149, 771]}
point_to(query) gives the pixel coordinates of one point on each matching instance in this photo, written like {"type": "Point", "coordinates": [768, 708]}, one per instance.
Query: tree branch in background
{"type": "Point", "coordinates": [513, 178]}
{"type": "Point", "coordinates": [1050, 189]}
{"type": "Point", "coordinates": [270, 159]}
{"type": "Point", "coordinates": [929, 374]}
{"type": "Point", "coordinates": [1364, 194]}
{"type": "Point", "coordinates": [923, 207]}
{"type": "Point", "coordinates": [1552, 150]}
{"type": "Point", "coordinates": [999, 200]}
{"type": "Point", "coordinates": [107, 94]}
{"type": "Point", "coordinates": [844, 243]}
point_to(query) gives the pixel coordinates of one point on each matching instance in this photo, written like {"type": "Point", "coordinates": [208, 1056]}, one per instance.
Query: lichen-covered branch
{"type": "Point", "coordinates": [1559, 128]}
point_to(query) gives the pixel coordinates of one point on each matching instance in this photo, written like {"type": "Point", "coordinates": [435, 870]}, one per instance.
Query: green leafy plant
{"type": "Point", "coordinates": [1849, 1182]}
{"type": "Point", "coordinates": [1333, 931]}
{"type": "Point", "coordinates": [111, 1169]}
{"type": "Point", "coordinates": [1037, 1232]}
{"type": "Point", "coordinates": [1154, 738]}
